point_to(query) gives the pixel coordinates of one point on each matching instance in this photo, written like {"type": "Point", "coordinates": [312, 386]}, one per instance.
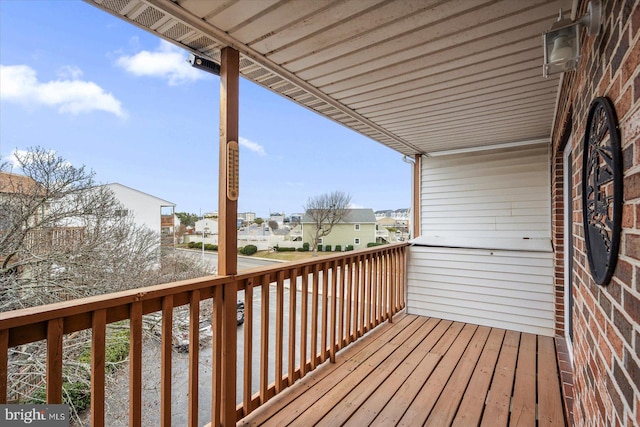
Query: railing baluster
{"type": "Point", "coordinates": [135, 365]}
{"type": "Point", "coordinates": [356, 297]}
{"type": "Point", "coordinates": [372, 291]}
{"type": "Point", "coordinates": [381, 293]}
{"type": "Point", "coordinates": [376, 290]}
{"type": "Point", "coordinates": [4, 364]}
{"type": "Point", "coordinates": [216, 369]}
{"type": "Point", "coordinates": [303, 320]}
{"type": "Point", "coordinates": [54, 361]}
{"type": "Point", "coordinates": [98, 345]}
{"type": "Point", "coordinates": [392, 289]}
{"type": "Point", "coordinates": [165, 360]}
{"type": "Point", "coordinates": [264, 339]}
{"type": "Point", "coordinates": [341, 301]}
{"type": "Point", "coordinates": [194, 353]}
{"type": "Point", "coordinates": [248, 346]}
{"type": "Point", "coordinates": [314, 317]}
{"type": "Point", "coordinates": [279, 329]}
{"type": "Point", "coordinates": [325, 309]}
{"type": "Point", "coordinates": [388, 284]}
{"type": "Point", "coordinates": [394, 286]}
{"type": "Point", "coordinates": [363, 293]}
{"type": "Point", "coordinates": [403, 277]}
{"type": "Point", "coordinates": [348, 274]}
{"type": "Point", "coordinates": [334, 290]}
{"type": "Point", "coordinates": [385, 290]}
{"type": "Point", "coordinates": [293, 278]}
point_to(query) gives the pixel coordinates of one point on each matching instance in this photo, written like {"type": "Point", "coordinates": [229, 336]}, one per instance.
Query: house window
{"type": "Point", "coordinates": [356, 227]}
{"type": "Point", "coordinates": [356, 241]}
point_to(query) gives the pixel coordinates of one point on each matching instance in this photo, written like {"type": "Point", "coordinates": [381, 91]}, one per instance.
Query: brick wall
{"type": "Point", "coordinates": [606, 320]}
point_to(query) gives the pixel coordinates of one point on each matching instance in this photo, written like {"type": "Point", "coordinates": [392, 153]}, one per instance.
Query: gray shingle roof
{"type": "Point", "coordinates": [355, 216]}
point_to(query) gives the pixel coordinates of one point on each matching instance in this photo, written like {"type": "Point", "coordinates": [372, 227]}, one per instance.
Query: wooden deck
{"type": "Point", "coordinates": [427, 371]}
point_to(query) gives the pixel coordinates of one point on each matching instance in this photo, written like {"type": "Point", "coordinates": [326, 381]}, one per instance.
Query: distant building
{"type": "Point", "coordinates": [247, 216]}
{"type": "Point", "coordinates": [207, 225]}
{"type": "Point", "coordinates": [145, 209]}
{"type": "Point", "coordinates": [357, 229]}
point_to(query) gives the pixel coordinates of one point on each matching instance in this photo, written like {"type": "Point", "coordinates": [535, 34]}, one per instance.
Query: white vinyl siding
{"type": "Point", "coordinates": [493, 195]}
{"type": "Point", "coordinates": [485, 256]}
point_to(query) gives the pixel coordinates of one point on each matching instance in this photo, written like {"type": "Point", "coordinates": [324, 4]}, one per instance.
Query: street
{"type": "Point", "coordinates": [211, 258]}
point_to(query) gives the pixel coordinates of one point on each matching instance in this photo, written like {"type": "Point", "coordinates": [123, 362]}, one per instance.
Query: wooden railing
{"type": "Point", "coordinates": [337, 299]}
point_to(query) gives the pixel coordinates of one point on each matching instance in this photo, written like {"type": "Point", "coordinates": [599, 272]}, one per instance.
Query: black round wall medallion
{"type": "Point", "coordinates": [602, 189]}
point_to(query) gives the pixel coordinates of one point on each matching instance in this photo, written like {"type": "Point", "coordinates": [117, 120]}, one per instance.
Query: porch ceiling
{"type": "Point", "coordinates": [419, 76]}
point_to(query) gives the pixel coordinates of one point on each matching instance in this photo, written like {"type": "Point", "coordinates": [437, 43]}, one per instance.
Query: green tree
{"type": "Point", "coordinates": [187, 219]}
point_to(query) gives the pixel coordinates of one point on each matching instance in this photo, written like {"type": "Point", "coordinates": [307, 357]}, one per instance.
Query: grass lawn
{"type": "Point", "coordinates": [289, 256]}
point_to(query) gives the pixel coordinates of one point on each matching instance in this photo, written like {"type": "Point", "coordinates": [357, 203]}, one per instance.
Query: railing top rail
{"type": "Point", "coordinates": [43, 313]}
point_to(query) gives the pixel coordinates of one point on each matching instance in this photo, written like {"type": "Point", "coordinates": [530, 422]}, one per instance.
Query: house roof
{"type": "Point", "coordinates": [421, 77]}
{"type": "Point", "coordinates": [355, 216]}
{"type": "Point", "coordinates": [160, 201]}
{"type": "Point", "coordinates": [16, 184]}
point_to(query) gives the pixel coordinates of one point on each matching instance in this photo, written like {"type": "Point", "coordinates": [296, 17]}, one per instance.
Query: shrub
{"type": "Point", "coordinates": [191, 245]}
{"type": "Point", "coordinates": [338, 248]}
{"type": "Point", "coordinates": [195, 245]}
{"type": "Point", "coordinates": [372, 244]}
{"type": "Point", "coordinates": [327, 248]}
{"type": "Point", "coordinates": [76, 394]}
{"type": "Point", "coordinates": [319, 248]}
{"type": "Point", "coordinates": [348, 248]}
{"type": "Point", "coordinates": [210, 247]}
{"type": "Point", "coordinates": [284, 249]}
{"type": "Point", "coordinates": [249, 250]}
{"type": "Point", "coordinates": [305, 246]}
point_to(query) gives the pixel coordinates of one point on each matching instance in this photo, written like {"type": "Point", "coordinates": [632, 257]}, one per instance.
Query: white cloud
{"type": "Point", "coordinates": [27, 157]}
{"type": "Point", "coordinates": [19, 83]}
{"type": "Point", "coordinates": [167, 62]}
{"type": "Point", "coordinates": [253, 146]}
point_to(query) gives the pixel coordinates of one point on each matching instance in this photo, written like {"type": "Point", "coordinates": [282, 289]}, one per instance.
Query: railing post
{"type": "Point", "coordinates": [229, 352]}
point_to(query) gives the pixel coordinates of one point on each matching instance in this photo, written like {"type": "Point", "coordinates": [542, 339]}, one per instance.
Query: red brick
{"type": "Point", "coordinates": [632, 187]}
{"type": "Point", "coordinates": [632, 246]}
{"type": "Point", "coordinates": [627, 216]}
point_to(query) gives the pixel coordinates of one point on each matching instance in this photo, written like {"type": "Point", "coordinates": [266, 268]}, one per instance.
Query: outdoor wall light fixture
{"type": "Point", "coordinates": [562, 42]}
{"type": "Point", "coordinates": [204, 64]}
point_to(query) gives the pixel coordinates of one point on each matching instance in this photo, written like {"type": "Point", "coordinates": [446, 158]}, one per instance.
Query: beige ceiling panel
{"type": "Point", "coordinates": [522, 91]}
{"type": "Point", "coordinates": [439, 37]}
{"type": "Point", "coordinates": [411, 24]}
{"type": "Point", "coordinates": [461, 76]}
{"type": "Point", "coordinates": [239, 14]}
{"type": "Point", "coordinates": [471, 91]}
{"type": "Point", "coordinates": [325, 45]}
{"type": "Point", "coordinates": [202, 9]}
{"type": "Point", "coordinates": [278, 19]}
{"type": "Point", "coordinates": [429, 65]}
{"type": "Point", "coordinates": [322, 21]}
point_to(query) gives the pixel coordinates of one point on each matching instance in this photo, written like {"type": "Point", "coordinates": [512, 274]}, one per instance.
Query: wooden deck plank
{"type": "Point", "coordinates": [419, 410]}
{"type": "Point", "coordinates": [340, 407]}
{"type": "Point", "coordinates": [375, 340]}
{"type": "Point", "coordinates": [419, 361]}
{"type": "Point", "coordinates": [392, 413]}
{"type": "Point", "coordinates": [446, 407]}
{"type": "Point", "coordinates": [523, 407]}
{"type": "Point", "coordinates": [496, 412]}
{"type": "Point", "coordinates": [472, 405]}
{"type": "Point", "coordinates": [419, 371]}
{"type": "Point", "coordinates": [352, 373]}
{"type": "Point", "coordinates": [550, 411]}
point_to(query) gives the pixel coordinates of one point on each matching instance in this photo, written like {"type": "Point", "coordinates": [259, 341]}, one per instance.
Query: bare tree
{"type": "Point", "coordinates": [325, 211]}
{"type": "Point", "coordinates": [64, 237]}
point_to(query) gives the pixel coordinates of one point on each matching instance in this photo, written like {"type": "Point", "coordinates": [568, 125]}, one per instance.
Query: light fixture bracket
{"type": "Point", "coordinates": [561, 43]}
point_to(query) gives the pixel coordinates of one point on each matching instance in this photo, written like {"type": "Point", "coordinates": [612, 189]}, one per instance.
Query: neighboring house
{"type": "Point", "coordinates": [145, 209]}
{"type": "Point", "coordinates": [357, 229]}
{"type": "Point", "coordinates": [207, 226]}
{"type": "Point", "coordinates": [247, 216]}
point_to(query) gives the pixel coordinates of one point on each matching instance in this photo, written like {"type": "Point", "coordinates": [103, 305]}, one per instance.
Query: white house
{"type": "Point", "coordinates": [145, 209]}
{"type": "Point", "coordinates": [208, 225]}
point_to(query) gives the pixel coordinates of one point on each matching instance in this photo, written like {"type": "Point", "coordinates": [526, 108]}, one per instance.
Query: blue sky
{"type": "Point", "coordinates": [105, 94]}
